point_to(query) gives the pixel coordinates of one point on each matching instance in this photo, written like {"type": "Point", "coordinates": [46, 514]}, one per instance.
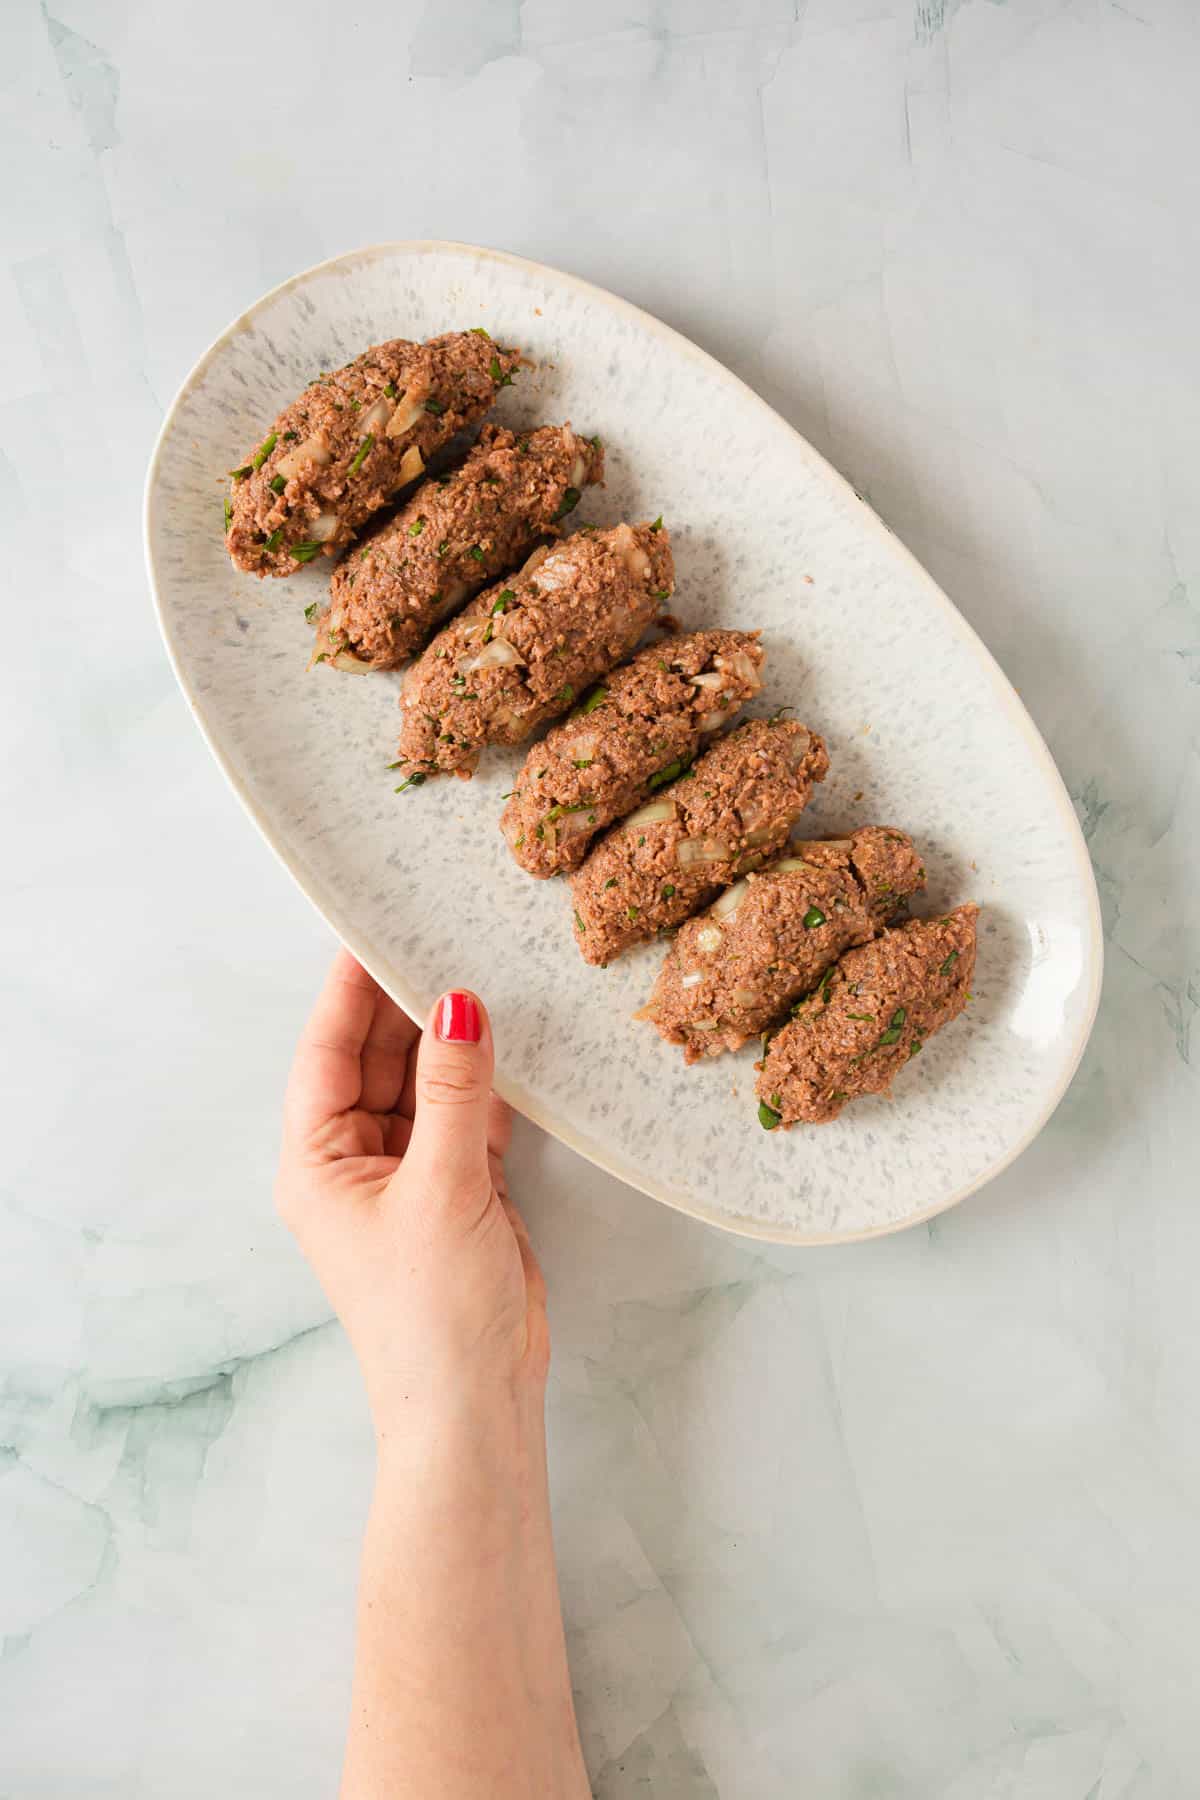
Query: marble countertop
{"type": "Point", "coordinates": [918, 1518]}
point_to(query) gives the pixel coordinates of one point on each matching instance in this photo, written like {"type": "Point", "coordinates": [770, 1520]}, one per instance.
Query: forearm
{"type": "Point", "coordinates": [461, 1683]}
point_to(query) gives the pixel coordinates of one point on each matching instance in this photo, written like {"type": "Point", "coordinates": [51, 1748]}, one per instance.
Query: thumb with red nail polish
{"type": "Point", "coordinates": [449, 1145]}
{"type": "Point", "coordinates": [458, 1018]}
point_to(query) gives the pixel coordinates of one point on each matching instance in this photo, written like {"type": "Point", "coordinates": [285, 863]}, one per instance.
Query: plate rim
{"type": "Point", "coordinates": [509, 1088]}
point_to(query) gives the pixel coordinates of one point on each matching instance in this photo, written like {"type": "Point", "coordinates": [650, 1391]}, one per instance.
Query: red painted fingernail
{"type": "Point", "coordinates": [458, 1019]}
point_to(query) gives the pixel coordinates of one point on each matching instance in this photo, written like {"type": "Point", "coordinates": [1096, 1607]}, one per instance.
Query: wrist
{"type": "Point", "coordinates": [459, 1571]}
{"type": "Point", "coordinates": [471, 1423]}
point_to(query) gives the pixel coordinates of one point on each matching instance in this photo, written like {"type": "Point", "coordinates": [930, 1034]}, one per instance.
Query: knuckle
{"type": "Point", "coordinates": [447, 1087]}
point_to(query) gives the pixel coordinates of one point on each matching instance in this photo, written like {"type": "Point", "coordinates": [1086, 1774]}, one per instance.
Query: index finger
{"type": "Point", "coordinates": [326, 1076]}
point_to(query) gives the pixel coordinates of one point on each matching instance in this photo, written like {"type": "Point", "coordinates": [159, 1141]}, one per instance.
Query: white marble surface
{"type": "Point", "coordinates": [915, 1519]}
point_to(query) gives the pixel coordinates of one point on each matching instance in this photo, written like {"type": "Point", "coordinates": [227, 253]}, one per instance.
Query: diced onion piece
{"type": "Point", "coordinates": [711, 721]}
{"type": "Point", "coordinates": [630, 552]}
{"type": "Point", "coordinates": [701, 850]}
{"type": "Point", "coordinates": [323, 527]}
{"type": "Point", "coordinates": [409, 408]}
{"type": "Point", "coordinates": [292, 461]}
{"type": "Point", "coordinates": [692, 980]}
{"type": "Point", "coordinates": [836, 843]}
{"type": "Point", "coordinates": [471, 629]}
{"type": "Point", "coordinates": [708, 939]}
{"type": "Point", "coordinates": [743, 666]}
{"type": "Point", "coordinates": [334, 659]}
{"type": "Point", "coordinates": [412, 464]}
{"type": "Point", "coordinates": [554, 573]}
{"type": "Point", "coordinates": [510, 719]}
{"type": "Point", "coordinates": [761, 835]}
{"type": "Point", "coordinates": [745, 996]}
{"type": "Point", "coordinates": [535, 560]}
{"type": "Point", "coordinates": [652, 813]}
{"type": "Point", "coordinates": [702, 1024]}
{"type": "Point", "coordinates": [496, 655]}
{"type": "Point", "coordinates": [798, 748]}
{"type": "Point", "coordinates": [710, 679]}
{"type": "Point", "coordinates": [787, 865]}
{"type": "Point", "coordinates": [730, 900]}
{"type": "Point", "coordinates": [578, 471]}
{"type": "Point", "coordinates": [576, 824]}
{"type": "Point", "coordinates": [375, 418]}
{"type": "Point", "coordinates": [582, 747]}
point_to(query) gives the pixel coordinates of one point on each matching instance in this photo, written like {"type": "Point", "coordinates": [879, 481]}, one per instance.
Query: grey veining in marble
{"type": "Point", "coordinates": [911, 1519]}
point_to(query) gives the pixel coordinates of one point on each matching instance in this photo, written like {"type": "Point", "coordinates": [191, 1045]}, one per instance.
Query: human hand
{"type": "Point", "coordinates": [391, 1179]}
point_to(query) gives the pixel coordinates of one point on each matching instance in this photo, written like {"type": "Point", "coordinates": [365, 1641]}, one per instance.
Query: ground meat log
{"type": "Point", "coordinates": [733, 809]}
{"type": "Point", "coordinates": [337, 454]}
{"type": "Point", "coordinates": [453, 537]}
{"type": "Point", "coordinates": [526, 649]}
{"type": "Point", "coordinates": [872, 1013]}
{"type": "Point", "coordinates": [640, 729]}
{"type": "Point", "coordinates": [732, 971]}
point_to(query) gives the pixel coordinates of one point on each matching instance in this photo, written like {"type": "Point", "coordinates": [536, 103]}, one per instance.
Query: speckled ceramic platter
{"type": "Point", "coordinates": [923, 729]}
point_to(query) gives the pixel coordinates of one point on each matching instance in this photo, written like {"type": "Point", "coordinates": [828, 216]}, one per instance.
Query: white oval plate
{"type": "Point", "coordinates": [923, 729]}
